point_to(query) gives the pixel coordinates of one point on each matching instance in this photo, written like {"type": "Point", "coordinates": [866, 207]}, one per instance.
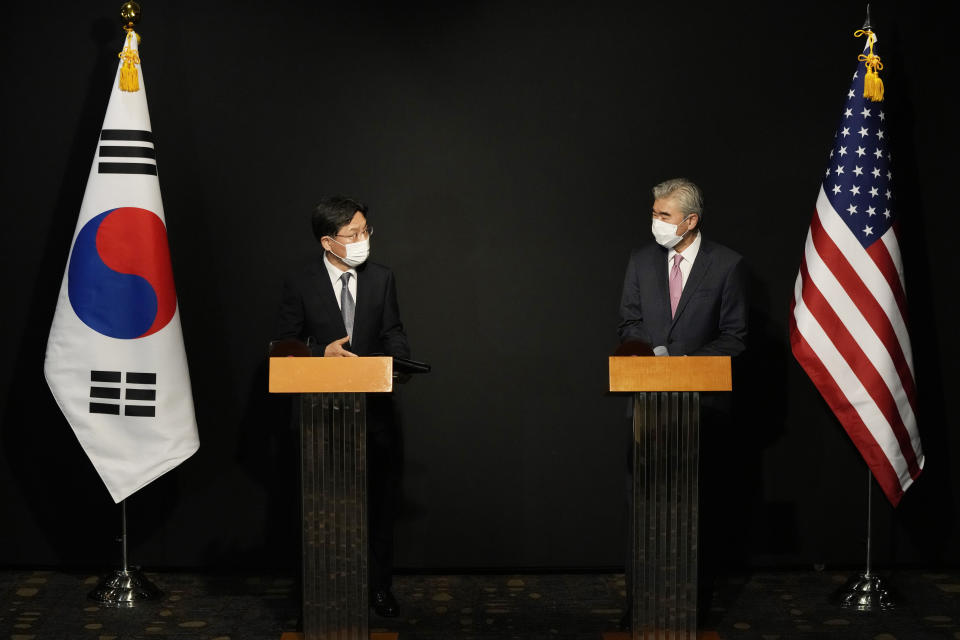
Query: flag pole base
{"type": "Point", "coordinates": [864, 592]}
{"type": "Point", "coordinates": [124, 589]}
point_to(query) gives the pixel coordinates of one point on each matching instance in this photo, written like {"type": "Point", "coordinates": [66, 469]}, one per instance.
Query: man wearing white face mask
{"type": "Point", "coordinates": [684, 295]}
{"type": "Point", "coordinates": [348, 306]}
{"type": "Point", "coordinates": [343, 301]}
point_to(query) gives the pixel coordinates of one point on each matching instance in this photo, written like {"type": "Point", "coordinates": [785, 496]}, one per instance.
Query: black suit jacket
{"type": "Point", "coordinates": [711, 316]}
{"type": "Point", "coordinates": [309, 308]}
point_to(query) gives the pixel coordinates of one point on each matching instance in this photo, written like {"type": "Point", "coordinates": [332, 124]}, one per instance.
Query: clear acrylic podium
{"type": "Point", "coordinates": [333, 486]}
{"type": "Point", "coordinates": [666, 448]}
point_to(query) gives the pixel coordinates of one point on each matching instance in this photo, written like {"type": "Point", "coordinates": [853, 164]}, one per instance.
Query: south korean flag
{"type": "Point", "coordinates": [115, 359]}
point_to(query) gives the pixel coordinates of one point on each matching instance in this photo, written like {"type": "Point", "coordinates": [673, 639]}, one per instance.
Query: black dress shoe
{"type": "Point", "coordinates": [383, 603]}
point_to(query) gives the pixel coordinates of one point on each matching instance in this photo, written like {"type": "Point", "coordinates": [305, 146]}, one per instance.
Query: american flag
{"type": "Point", "coordinates": [848, 317]}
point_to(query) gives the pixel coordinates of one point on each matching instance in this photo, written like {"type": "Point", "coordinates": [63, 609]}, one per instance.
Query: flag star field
{"type": "Point", "coordinates": [858, 177]}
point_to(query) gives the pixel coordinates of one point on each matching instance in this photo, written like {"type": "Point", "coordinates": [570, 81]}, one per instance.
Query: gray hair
{"type": "Point", "coordinates": [687, 195]}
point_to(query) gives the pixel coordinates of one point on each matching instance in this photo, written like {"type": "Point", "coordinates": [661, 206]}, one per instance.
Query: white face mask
{"type": "Point", "coordinates": [357, 252]}
{"type": "Point", "coordinates": [666, 234]}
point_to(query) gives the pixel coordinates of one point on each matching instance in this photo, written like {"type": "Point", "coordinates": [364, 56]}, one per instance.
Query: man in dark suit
{"type": "Point", "coordinates": [348, 305]}
{"type": "Point", "coordinates": [685, 295]}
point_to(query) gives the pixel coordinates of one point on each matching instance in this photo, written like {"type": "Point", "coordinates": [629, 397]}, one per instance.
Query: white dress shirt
{"type": "Point", "coordinates": [335, 281]}
{"type": "Point", "coordinates": [689, 255]}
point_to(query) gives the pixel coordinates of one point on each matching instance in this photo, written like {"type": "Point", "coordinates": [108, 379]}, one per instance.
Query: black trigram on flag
{"type": "Point", "coordinates": [127, 151]}
{"type": "Point", "coordinates": [109, 392]}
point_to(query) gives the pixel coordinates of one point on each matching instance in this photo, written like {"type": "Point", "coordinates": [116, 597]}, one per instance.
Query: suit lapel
{"type": "Point", "coordinates": [663, 284]}
{"type": "Point", "coordinates": [365, 300]}
{"type": "Point", "coordinates": [327, 297]}
{"type": "Point", "coordinates": [700, 268]}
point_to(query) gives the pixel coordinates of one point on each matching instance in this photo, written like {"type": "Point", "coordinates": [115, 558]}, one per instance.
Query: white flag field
{"type": "Point", "coordinates": [115, 359]}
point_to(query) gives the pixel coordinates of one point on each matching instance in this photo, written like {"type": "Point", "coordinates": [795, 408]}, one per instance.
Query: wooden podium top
{"type": "Point", "coordinates": [331, 375]}
{"type": "Point", "coordinates": [670, 373]}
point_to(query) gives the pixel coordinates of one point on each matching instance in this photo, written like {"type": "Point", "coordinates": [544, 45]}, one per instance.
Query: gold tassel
{"type": "Point", "coordinates": [872, 84]}
{"type": "Point", "coordinates": [129, 77]}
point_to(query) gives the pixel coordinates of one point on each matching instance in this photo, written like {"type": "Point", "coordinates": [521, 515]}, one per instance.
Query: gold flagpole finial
{"type": "Point", "coordinates": [129, 15]}
{"type": "Point", "coordinates": [129, 77]}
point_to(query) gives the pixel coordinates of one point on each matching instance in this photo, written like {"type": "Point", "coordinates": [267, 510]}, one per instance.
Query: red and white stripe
{"type": "Point", "coordinates": [848, 330]}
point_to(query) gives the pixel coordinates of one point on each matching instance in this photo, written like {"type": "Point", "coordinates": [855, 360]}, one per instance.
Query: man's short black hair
{"type": "Point", "coordinates": [333, 213]}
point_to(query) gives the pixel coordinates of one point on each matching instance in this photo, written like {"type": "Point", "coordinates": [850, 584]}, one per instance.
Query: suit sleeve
{"type": "Point", "coordinates": [392, 334]}
{"type": "Point", "coordinates": [290, 316]}
{"type": "Point", "coordinates": [631, 310]}
{"type": "Point", "coordinates": [734, 310]}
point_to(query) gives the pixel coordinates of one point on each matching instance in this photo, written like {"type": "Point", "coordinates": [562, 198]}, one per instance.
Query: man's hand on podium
{"type": "Point", "coordinates": [335, 349]}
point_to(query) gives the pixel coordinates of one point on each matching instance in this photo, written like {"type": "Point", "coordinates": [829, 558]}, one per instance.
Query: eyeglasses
{"type": "Point", "coordinates": [366, 231]}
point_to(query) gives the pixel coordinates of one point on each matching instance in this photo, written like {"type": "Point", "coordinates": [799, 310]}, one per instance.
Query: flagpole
{"type": "Point", "coordinates": [123, 536]}
{"type": "Point", "coordinates": [869, 518]}
{"type": "Point", "coordinates": [865, 592]}
{"type": "Point", "coordinates": [126, 587]}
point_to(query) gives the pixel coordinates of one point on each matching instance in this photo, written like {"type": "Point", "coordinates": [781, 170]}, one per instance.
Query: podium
{"type": "Point", "coordinates": [333, 486]}
{"type": "Point", "coordinates": [666, 444]}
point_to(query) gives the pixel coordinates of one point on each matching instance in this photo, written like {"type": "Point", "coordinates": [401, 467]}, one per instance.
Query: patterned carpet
{"type": "Point", "coordinates": [40, 605]}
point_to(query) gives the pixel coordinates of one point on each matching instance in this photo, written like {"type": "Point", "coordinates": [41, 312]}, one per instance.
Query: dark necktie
{"type": "Point", "coordinates": [346, 303]}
